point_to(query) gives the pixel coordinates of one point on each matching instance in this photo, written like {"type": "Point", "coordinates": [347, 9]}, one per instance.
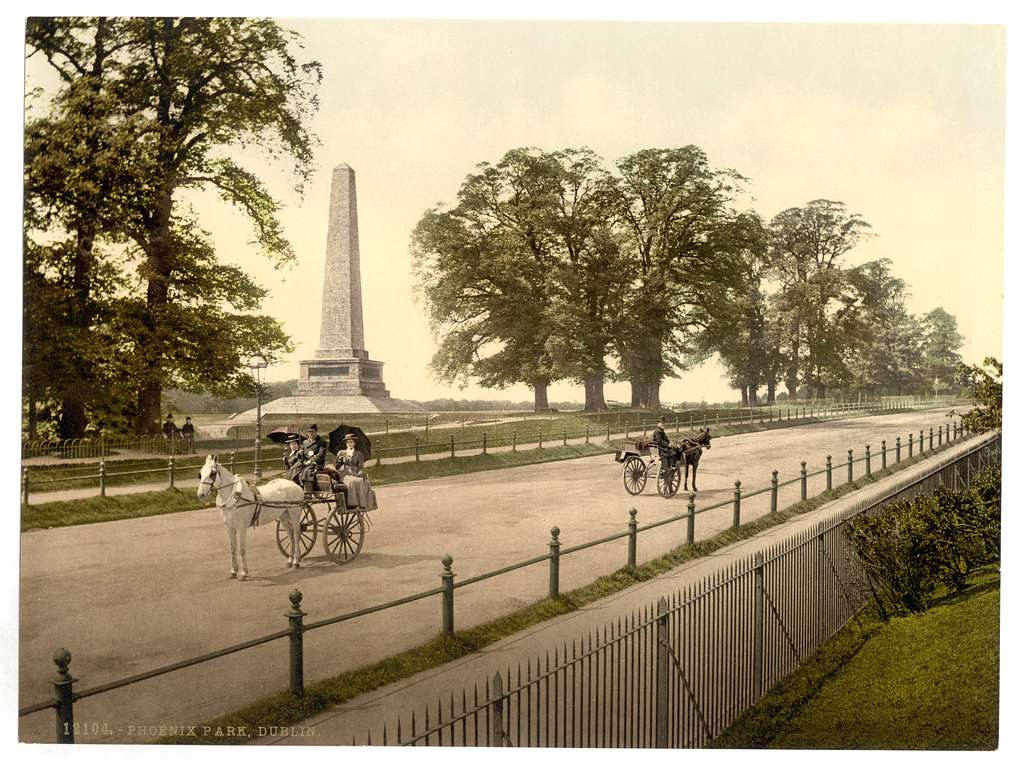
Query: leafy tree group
{"type": "Point", "coordinates": [552, 267]}
{"type": "Point", "coordinates": [125, 293]}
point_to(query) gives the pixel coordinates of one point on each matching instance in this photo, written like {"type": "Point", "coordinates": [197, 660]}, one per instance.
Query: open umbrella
{"type": "Point", "coordinates": [337, 442]}
{"type": "Point", "coordinates": [282, 434]}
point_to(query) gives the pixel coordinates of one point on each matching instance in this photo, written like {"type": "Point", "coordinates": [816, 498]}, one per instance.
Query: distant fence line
{"type": "Point", "coordinates": [102, 476]}
{"type": "Point", "coordinates": [65, 695]}
{"type": "Point", "coordinates": [244, 436]}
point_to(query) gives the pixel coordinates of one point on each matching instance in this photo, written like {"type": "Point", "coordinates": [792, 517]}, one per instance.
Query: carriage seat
{"type": "Point", "coordinates": [323, 483]}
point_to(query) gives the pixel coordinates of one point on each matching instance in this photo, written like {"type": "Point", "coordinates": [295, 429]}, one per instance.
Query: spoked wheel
{"type": "Point", "coordinates": [634, 475]}
{"type": "Point", "coordinates": [307, 534]}
{"type": "Point", "coordinates": [667, 488]}
{"type": "Point", "coordinates": [343, 535]}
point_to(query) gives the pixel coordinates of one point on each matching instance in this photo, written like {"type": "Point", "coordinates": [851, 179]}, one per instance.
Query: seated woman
{"type": "Point", "coordinates": [350, 465]}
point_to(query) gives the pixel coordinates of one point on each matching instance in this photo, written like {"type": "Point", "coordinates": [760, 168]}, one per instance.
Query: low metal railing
{"type": "Point", "coordinates": [65, 696]}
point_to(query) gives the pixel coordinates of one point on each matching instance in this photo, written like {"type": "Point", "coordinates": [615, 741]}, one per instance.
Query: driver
{"type": "Point", "coordinates": [293, 459]}
{"type": "Point", "coordinates": [660, 440]}
{"type": "Point", "coordinates": [314, 456]}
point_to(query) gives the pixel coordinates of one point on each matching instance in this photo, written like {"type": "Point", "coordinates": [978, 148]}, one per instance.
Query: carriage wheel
{"type": "Point", "coordinates": [343, 535]}
{"type": "Point", "coordinates": [671, 486]}
{"type": "Point", "coordinates": [307, 534]}
{"type": "Point", "coordinates": [634, 475]}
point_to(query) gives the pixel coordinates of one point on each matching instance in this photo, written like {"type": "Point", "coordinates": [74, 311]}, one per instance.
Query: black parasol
{"type": "Point", "coordinates": [282, 434]}
{"type": "Point", "coordinates": [337, 442]}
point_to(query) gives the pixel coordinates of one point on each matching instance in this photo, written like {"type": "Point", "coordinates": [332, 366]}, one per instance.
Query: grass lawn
{"type": "Point", "coordinates": [93, 509]}
{"type": "Point", "coordinates": [923, 682]}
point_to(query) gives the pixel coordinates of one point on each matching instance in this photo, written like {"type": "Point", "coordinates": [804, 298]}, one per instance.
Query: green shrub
{"type": "Point", "coordinates": [910, 548]}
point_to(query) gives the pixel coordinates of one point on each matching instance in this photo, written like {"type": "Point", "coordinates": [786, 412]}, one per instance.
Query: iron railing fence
{"type": "Point", "coordinates": [679, 674]}
{"type": "Point", "coordinates": [65, 696]}
{"type": "Point", "coordinates": [75, 476]}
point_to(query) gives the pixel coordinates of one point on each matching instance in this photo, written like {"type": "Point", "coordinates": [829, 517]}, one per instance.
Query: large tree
{"type": "Point", "coordinates": [484, 269]}
{"type": "Point", "coordinates": [666, 202]}
{"type": "Point", "coordinates": [807, 246]}
{"type": "Point", "coordinates": [941, 347]}
{"type": "Point", "coordinates": [194, 92]}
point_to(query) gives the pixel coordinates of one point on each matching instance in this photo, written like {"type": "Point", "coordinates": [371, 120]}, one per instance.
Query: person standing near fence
{"type": "Point", "coordinates": [188, 433]}
{"type": "Point", "coordinates": [171, 432]}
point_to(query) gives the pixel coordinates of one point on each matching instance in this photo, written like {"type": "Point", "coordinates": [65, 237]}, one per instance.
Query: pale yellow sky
{"type": "Point", "coordinates": [902, 123]}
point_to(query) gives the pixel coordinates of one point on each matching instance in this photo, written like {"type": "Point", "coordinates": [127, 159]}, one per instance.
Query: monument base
{"type": "Point", "coordinates": [314, 407]}
{"type": "Point", "coordinates": [351, 374]}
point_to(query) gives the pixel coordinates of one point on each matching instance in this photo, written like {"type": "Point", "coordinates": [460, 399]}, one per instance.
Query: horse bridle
{"type": "Point", "coordinates": [214, 476]}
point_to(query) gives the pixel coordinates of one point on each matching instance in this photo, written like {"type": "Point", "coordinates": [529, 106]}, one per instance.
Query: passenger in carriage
{"type": "Point", "coordinates": [350, 466]}
{"type": "Point", "coordinates": [293, 460]}
{"type": "Point", "coordinates": [314, 457]}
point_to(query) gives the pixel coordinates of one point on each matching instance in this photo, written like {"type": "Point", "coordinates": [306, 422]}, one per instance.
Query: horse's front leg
{"type": "Point", "coordinates": [232, 544]}
{"type": "Point", "coordinates": [686, 476]}
{"type": "Point", "coordinates": [244, 572]}
{"type": "Point", "coordinates": [695, 477]}
{"type": "Point", "coordinates": [295, 532]}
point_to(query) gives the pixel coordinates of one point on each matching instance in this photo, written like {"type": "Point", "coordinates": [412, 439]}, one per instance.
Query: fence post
{"type": "Point", "coordinates": [295, 616]}
{"type": "Point", "coordinates": [931, 439]}
{"type": "Point", "coordinates": [920, 444]}
{"type": "Point", "coordinates": [910, 446]}
{"type": "Point", "coordinates": [736, 505]}
{"type": "Point", "coordinates": [758, 625]}
{"type": "Point", "coordinates": [607, 432]}
{"type": "Point", "coordinates": [867, 459]}
{"type": "Point", "coordinates": [553, 546]}
{"type": "Point", "coordinates": [883, 454]}
{"type": "Point", "coordinates": [775, 491]}
{"type": "Point", "coordinates": [540, 438]}
{"type": "Point", "coordinates": [631, 548]}
{"type": "Point", "coordinates": [513, 440]}
{"type": "Point", "coordinates": [947, 433]}
{"type": "Point", "coordinates": [170, 472]}
{"type": "Point", "coordinates": [588, 433]}
{"type": "Point", "coordinates": [103, 479]}
{"type": "Point", "coordinates": [849, 466]}
{"type": "Point", "coordinates": [24, 486]}
{"type": "Point", "coordinates": [661, 677]}
{"type": "Point", "coordinates": [447, 596]}
{"type": "Point", "coordinates": [828, 473]}
{"type": "Point", "coordinates": [691, 517]}
{"type": "Point", "coordinates": [417, 449]}
{"type": "Point", "coordinates": [897, 449]}
{"type": "Point", "coordinates": [803, 479]}
{"type": "Point", "coordinates": [485, 443]}
{"type": "Point", "coordinates": [497, 713]}
{"type": "Point", "coordinates": [691, 422]}
{"type": "Point", "coordinates": [63, 689]}
{"type": "Point", "coordinates": [451, 438]}
{"type": "Point", "coordinates": [564, 442]}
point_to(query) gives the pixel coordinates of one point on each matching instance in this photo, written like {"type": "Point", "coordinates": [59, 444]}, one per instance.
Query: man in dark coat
{"type": "Point", "coordinates": [660, 440]}
{"type": "Point", "coordinates": [314, 457]}
{"type": "Point", "coordinates": [188, 433]}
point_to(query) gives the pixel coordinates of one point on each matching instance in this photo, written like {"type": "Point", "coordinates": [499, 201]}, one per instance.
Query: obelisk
{"type": "Point", "coordinates": [342, 366]}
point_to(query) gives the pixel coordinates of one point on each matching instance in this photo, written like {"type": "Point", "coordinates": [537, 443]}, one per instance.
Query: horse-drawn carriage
{"type": "Point", "coordinates": [343, 526]}
{"type": "Point", "coordinates": [641, 462]}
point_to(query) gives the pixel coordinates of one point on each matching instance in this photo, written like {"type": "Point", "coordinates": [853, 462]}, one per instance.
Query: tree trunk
{"type": "Point", "coordinates": [593, 387]}
{"type": "Point", "coordinates": [153, 340]}
{"type": "Point", "coordinates": [636, 393]}
{"type": "Point", "coordinates": [743, 391]}
{"type": "Point", "coordinates": [752, 395]}
{"type": "Point", "coordinates": [540, 395]}
{"type": "Point", "coordinates": [819, 391]}
{"type": "Point", "coordinates": [653, 396]}
{"type": "Point", "coordinates": [771, 392]}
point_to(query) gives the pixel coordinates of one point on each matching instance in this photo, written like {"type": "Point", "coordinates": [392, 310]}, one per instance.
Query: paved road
{"type": "Point", "coordinates": [127, 596]}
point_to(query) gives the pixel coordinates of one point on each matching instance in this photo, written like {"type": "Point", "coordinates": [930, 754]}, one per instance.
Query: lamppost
{"type": "Point", "coordinates": [257, 363]}
{"type": "Point", "coordinates": [936, 387]}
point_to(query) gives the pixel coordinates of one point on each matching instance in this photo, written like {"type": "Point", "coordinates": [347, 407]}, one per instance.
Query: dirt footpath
{"type": "Point", "coordinates": [127, 596]}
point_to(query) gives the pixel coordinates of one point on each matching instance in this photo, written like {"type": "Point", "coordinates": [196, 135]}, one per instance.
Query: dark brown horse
{"type": "Point", "coordinates": [688, 451]}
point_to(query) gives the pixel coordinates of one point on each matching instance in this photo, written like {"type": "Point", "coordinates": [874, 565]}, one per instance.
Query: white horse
{"type": "Point", "coordinates": [278, 499]}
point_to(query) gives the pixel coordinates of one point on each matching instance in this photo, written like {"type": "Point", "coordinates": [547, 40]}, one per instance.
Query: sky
{"type": "Point", "coordinates": [903, 123]}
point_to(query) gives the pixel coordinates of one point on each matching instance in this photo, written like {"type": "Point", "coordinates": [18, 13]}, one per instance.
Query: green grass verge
{"type": "Point", "coordinates": [922, 682]}
{"type": "Point", "coordinates": [284, 710]}
{"type": "Point", "coordinates": [94, 509]}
